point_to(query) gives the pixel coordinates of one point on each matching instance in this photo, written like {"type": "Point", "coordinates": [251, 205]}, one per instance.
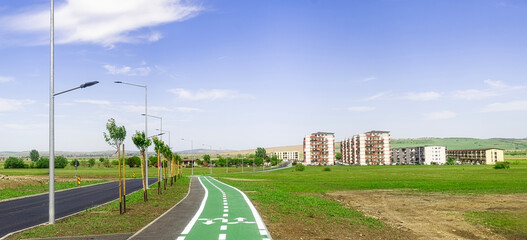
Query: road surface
{"type": "Point", "coordinates": [27, 212]}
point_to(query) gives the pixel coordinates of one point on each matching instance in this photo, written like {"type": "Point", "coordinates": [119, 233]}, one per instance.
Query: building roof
{"type": "Point", "coordinates": [322, 133]}
{"type": "Point", "coordinates": [375, 131]}
{"type": "Point", "coordinates": [476, 149]}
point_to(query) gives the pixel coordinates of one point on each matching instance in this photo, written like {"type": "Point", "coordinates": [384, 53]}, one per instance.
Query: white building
{"type": "Point", "coordinates": [370, 148]}
{"type": "Point", "coordinates": [319, 149]}
{"type": "Point", "coordinates": [286, 155]}
{"type": "Point", "coordinates": [419, 155]}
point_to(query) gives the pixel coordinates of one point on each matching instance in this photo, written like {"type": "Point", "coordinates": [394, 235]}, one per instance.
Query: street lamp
{"type": "Point", "coordinates": [191, 151]}
{"type": "Point", "coordinates": [52, 143]}
{"type": "Point", "coordinates": [160, 167]}
{"type": "Point", "coordinates": [146, 122]}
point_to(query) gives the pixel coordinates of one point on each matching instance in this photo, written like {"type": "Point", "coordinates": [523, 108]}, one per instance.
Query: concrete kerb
{"type": "Point", "coordinates": [152, 222]}
{"type": "Point", "coordinates": [73, 214]}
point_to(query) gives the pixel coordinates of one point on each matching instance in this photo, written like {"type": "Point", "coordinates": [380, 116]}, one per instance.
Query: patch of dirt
{"type": "Point", "coordinates": [317, 228]}
{"type": "Point", "coordinates": [243, 179]}
{"type": "Point", "coordinates": [430, 215]}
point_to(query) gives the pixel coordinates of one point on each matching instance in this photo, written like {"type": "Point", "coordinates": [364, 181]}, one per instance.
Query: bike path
{"type": "Point", "coordinates": [225, 213]}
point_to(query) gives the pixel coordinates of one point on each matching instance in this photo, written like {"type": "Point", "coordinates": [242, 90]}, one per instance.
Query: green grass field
{"type": "Point", "coordinates": [287, 194]}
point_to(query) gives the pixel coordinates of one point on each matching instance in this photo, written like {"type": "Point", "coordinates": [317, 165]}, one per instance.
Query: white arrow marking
{"type": "Point", "coordinates": [208, 222]}
{"type": "Point", "coordinates": [240, 219]}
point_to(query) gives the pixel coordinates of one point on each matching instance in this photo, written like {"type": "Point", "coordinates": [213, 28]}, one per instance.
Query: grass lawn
{"type": "Point", "coordinates": [41, 188]}
{"type": "Point", "coordinates": [288, 195]}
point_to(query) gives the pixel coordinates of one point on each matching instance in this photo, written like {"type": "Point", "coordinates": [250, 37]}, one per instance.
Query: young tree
{"type": "Point", "coordinates": [338, 156]}
{"type": "Point", "coordinates": [206, 158]}
{"type": "Point", "coordinates": [260, 152]}
{"type": "Point", "coordinates": [142, 142]}
{"type": "Point", "coordinates": [115, 137]}
{"type": "Point", "coordinates": [158, 147]}
{"type": "Point", "coordinates": [34, 155]}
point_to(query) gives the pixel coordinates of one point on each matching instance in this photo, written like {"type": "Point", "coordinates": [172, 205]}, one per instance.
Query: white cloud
{"type": "Point", "coordinates": [92, 101]}
{"type": "Point", "coordinates": [4, 79]}
{"type": "Point", "coordinates": [494, 89]}
{"type": "Point", "coordinates": [141, 108]}
{"type": "Point", "coordinates": [26, 126]}
{"type": "Point", "coordinates": [207, 94]}
{"type": "Point", "coordinates": [126, 70]}
{"type": "Point", "coordinates": [368, 79]}
{"type": "Point", "coordinates": [361, 109]}
{"type": "Point", "coordinates": [102, 22]}
{"type": "Point", "coordinates": [422, 96]}
{"type": "Point", "coordinates": [188, 109]}
{"type": "Point", "coordinates": [506, 106]}
{"type": "Point", "coordinates": [7, 105]}
{"type": "Point", "coordinates": [376, 96]}
{"type": "Point", "coordinates": [439, 115]}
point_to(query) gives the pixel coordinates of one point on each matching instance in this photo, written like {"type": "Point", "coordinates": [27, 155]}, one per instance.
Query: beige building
{"type": "Point", "coordinates": [419, 155]}
{"type": "Point", "coordinates": [286, 155]}
{"type": "Point", "coordinates": [319, 149]}
{"type": "Point", "coordinates": [477, 156]}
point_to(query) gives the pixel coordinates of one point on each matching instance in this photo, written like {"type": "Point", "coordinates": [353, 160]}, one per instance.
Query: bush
{"type": "Point", "coordinates": [502, 165]}
{"type": "Point", "coordinates": [450, 161]}
{"type": "Point", "coordinates": [115, 162]}
{"type": "Point", "coordinates": [134, 161]}
{"type": "Point", "coordinates": [60, 162]}
{"type": "Point", "coordinates": [107, 163]}
{"type": "Point", "coordinates": [101, 160]}
{"type": "Point", "coordinates": [91, 162]}
{"type": "Point", "coordinates": [326, 169]}
{"type": "Point", "coordinates": [43, 162]}
{"type": "Point", "coordinates": [300, 167]}
{"type": "Point", "coordinates": [13, 162]}
{"type": "Point", "coordinates": [152, 160]}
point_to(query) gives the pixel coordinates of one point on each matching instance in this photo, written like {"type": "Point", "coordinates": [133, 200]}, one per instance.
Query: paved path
{"type": "Point", "coordinates": [173, 222]}
{"type": "Point", "coordinates": [27, 212]}
{"type": "Point", "coordinates": [225, 213]}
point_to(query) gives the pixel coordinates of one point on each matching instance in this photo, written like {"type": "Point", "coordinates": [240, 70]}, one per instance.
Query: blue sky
{"type": "Point", "coordinates": [243, 74]}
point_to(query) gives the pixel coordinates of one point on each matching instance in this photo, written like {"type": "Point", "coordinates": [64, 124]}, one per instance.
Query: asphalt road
{"type": "Point", "coordinates": [31, 211]}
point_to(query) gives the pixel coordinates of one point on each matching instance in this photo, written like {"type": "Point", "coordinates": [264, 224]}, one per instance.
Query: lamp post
{"type": "Point", "coordinates": [191, 152]}
{"type": "Point", "coordinates": [52, 142]}
{"type": "Point", "coordinates": [160, 167]}
{"type": "Point", "coordinates": [146, 121]}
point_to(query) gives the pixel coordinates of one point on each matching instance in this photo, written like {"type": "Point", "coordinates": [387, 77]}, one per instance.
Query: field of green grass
{"type": "Point", "coordinates": [462, 143]}
{"type": "Point", "coordinates": [288, 194]}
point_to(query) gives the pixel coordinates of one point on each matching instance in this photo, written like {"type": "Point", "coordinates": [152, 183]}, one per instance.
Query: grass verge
{"type": "Point", "coordinates": [511, 224]}
{"type": "Point", "coordinates": [107, 220]}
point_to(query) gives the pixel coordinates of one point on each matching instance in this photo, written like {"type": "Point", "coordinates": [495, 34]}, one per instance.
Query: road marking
{"type": "Point", "coordinates": [223, 236]}
{"type": "Point", "coordinates": [180, 238]}
{"type": "Point", "coordinates": [223, 228]}
{"type": "Point", "coordinates": [257, 217]}
{"type": "Point", "coordinates": [225, 215]}
{"type": "Point", "coordinates": [198, 213]}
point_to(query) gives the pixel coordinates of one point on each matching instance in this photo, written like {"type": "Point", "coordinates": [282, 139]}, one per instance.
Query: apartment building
{"type": "Point", "coordinates": [419, 155]}
{"type": "Point", "coordinates": [477, 156]}
{"type": "Point", "coordinates": [286, 155]}
{"type": "Point", "coordinates": [319, 149]}
{"type": "Point", "coordinates": [370, 148]}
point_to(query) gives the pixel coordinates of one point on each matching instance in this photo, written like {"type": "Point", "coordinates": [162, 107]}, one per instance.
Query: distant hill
{"type": "Point", "coordinates": [451, 143]}
{"type": "Point", "coordinates": [463, 143]}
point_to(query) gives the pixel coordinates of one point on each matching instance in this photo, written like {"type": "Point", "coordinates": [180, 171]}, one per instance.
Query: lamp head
{"type": "Point", "coordinates": [84, 85]}
{"type": "Point", "coordinates": [118, 82]}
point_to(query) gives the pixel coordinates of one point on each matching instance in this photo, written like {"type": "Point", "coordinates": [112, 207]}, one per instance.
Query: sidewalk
{"type": "Point", "coordinates": [171, 223]}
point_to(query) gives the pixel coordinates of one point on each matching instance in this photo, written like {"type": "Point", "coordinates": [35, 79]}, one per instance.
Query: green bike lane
{"type": "Point", "coordinates": [225, 213]}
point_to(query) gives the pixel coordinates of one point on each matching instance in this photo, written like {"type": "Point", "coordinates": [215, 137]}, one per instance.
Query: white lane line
{"type": "Point", "coordinates": [198, 213]}
{"type": "Point", "coordinates": [225, 215]}
{"type": "Point", "coordinates": [180, 238]}
{"type": "Point", "coordinates": [223, 228]}
{"type": "Point", "coordinates": [225, 210]}
{"type": "Point", "coordinates": [257, 217]}
{"type": "Point", "coordinates": [223, 236]}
